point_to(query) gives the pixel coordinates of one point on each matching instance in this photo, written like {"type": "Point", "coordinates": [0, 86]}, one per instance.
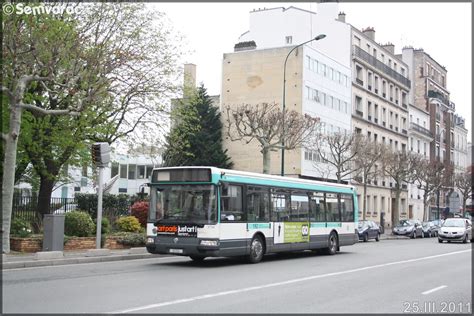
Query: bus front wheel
{"type": "Point", "coordinates": [197, 258]}
{"type": "Point", "coordinates": [256, 250]}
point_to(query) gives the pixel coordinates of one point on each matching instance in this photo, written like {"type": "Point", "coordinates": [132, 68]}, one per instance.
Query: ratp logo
{"type": "Point", "coordinates": [21, 8]}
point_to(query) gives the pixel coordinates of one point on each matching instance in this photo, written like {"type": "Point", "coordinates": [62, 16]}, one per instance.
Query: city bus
{"type": "Point", "coordinates": [210, 212]}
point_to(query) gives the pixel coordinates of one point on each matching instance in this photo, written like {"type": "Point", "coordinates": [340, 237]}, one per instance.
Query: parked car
{"type": "Point", "coordinates": [410, 228]}
{"type": "Point", "coordinates": [430, 229]}
{"type": "Point", "coordinates": [456, 229]}
{"type": "Point", "coordinates": [368, 230]}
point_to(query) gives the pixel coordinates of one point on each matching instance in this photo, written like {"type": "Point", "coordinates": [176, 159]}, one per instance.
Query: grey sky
{"type": "Point", "coordinates": [443, 30]}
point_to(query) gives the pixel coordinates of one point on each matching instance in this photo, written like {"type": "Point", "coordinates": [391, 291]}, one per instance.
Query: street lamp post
{"type": "Point", "coordinates": [317, 38]}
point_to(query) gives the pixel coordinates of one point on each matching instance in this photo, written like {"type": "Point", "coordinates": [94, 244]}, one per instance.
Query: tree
{"type": "Point", "coordinates": [196, 136]}
{"type": "Point", "coordinates": [367, 170]}
{"type": "Point", "coordinates": [338, 150]}
{"type": "Point", "coordinates": [400, 166]}
{"type": "Point", "coordinates": [270, 127]}
{"type": "Point", "coordinates": [108, 66]}
{"type": "Point", "coordinates": [429, 177]}
{"type": "Point", "coordinates": [463, 182]}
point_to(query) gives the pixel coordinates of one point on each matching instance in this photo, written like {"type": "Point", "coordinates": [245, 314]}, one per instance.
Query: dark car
{"type": "Point", "coordinates": [430, 229]}
{"type": "Point", "coordinates": [368, 230]}
{"type": "Point", "coordinates": [410, 228]}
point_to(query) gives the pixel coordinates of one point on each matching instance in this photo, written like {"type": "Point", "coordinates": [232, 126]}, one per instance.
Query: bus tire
{"type": "Point", "coordinates": [333, 244]}
{"type": "Point", "coordinates": [256, 250]}
{"type": "Point", "coordinates": [197, 258]}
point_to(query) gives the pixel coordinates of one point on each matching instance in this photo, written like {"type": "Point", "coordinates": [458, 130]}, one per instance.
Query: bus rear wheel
{"type": "Point", "coordinates": [256, 250]}
{"type": "Point", "coordinates": [332, 244]}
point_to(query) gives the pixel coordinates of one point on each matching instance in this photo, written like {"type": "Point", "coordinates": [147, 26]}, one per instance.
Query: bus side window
{"type": "Point", "coordinates": [317, 207]}
{"type": "Point", "coordinates": [258, 204]}
{"type": "Point", "coordinates": [231, 203]}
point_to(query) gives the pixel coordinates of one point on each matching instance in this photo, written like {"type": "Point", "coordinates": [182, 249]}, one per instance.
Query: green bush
{"type": "Point", "coordinates": [78, 224]}
{"type": "Point", "coordinates": [112, 205]}
{"type": "Point", "coordinates": [140, 211]}
{"type": "Point", "coordinates": [20, 228]}
{"type": "Point", "coordinates": [131, 239]}
{"type": "Point", "coordinates": [105, 227]}
{"type": "Point", "coordinates": [128, 224]}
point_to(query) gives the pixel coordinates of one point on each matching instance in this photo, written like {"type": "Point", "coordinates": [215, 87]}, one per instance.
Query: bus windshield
{"type": "Point", "coordinates": [184, 204]}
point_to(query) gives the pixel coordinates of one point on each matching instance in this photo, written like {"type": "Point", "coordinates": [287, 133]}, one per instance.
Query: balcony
{"type": "Point", "coordinates": [359, 81]}
{"type": "Point", "coordinates": [371, 60]}
{"type": "Point", "coordinates": [360, 113]}
{"type": "Point", "coordinates": [420, 129]}
{"type": "Point", "coordinates": [439, 96]}
{"type": "Point", "coordinates": [404, 105]}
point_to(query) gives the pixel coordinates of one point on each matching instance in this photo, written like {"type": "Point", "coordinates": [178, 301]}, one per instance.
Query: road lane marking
{"type": "Point", "coordinates": [435, 289]}
{"type": "Point", "coordinates": [259, 287]}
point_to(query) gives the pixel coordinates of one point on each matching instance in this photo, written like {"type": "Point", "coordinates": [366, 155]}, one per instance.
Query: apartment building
{"type": "Point", "coordinates": [460, 145]}
{"type": "Point", "coordinates": [318, 80]}
{"type": "Point", "coordinates": [430, 94]}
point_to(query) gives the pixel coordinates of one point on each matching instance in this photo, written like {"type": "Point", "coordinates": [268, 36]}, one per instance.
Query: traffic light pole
{"type": "Point", "coordinates": [99, 211]}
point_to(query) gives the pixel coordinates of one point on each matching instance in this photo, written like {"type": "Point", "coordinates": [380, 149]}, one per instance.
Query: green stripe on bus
{"type": "Point", "coordinates": [318, 225]}
{"type": "Point", "coordinates": [333, 225]}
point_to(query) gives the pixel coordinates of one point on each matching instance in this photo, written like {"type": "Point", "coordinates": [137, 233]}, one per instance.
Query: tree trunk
{"type": "Point", "coordinates": [396, 209]}
{"type": "Point", "coordinates": [266, 160]}
{"type": "Point", "coordinates": [364, 206]}
{"type": "Point", "coordinates": [44, 195]}
{"type": "Point", "coordinates": [425, 206]}
{"type": "Point", "coordinates": [8, 180]}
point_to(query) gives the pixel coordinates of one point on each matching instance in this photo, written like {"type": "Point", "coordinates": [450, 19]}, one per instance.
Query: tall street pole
{"type": "Point", "coordinates": [317, 38]}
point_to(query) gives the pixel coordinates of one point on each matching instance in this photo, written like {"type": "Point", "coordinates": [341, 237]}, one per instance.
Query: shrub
{"type": "Point", "coordinates": [20, 228]}
{"type": "Point", "coordinates": [131, 239]}
{"type": "Point", "coordinates": [140, 211]}
{"type": "Point", "coordinates": [112, 205]}
{"type": "Point", "coordinates": [105, 228]}
{"type": "Point", "coordinates": [128, 224]}
{"type": "Point", "coordinates": [78, 223]}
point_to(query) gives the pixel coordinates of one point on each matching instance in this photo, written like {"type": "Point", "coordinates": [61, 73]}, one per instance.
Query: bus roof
{"type": "Point", "coordinates": [226, 174]}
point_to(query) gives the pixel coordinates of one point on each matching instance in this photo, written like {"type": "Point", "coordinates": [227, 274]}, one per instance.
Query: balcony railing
{"type": "Point", "coordinates": [439, 96]}
{"type": "Point", "coordinates": [360, 113]}
{"type": "Point", "coordinates": [371, 60]}
{"type": "Point", "coordinates": [420, 129]}
{"type": "Point", "coordinates": [359, 81]}
{"type": "Point", "coordinates": [404, 105]}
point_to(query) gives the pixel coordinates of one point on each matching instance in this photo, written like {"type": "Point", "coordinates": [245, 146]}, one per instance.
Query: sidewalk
{"type": "Point", "coordinates": [53, 258]}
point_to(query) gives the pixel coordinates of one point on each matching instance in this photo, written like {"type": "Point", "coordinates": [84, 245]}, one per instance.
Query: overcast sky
{"type": "Point", "coordinates": [443, 30]}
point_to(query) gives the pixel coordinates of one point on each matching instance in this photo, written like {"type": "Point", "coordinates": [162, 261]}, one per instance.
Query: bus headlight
{"type": "Point", "coordinates": [150, 240]}
{"type": "Point", "coordinates": [209, 243]}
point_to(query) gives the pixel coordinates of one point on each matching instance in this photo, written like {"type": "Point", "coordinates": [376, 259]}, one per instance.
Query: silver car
{"type": "Point", "coordinates": [456, 229]}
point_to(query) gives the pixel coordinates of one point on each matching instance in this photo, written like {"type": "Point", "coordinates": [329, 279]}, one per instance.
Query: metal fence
{"type": "Point", "coordinates": [26, 208]}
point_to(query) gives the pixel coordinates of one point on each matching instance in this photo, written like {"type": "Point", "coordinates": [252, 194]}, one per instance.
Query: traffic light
{"type": "Point", "coordinates": [100, 154]}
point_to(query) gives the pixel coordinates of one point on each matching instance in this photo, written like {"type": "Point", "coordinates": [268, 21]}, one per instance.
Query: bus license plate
{"type": "Point", "coordinates": [176, 250]}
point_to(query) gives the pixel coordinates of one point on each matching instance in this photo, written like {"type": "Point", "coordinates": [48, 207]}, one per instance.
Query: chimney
{"type": "Point", "coordinates": [390, 47]}
{"type": "Point", "coordinates": [189, 82]}
{"type": "Point", "coordinates": [341, 17]}
{"type": "Point", "coordinates": [369, 32]}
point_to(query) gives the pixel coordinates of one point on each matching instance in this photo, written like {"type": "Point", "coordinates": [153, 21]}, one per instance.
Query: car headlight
{"type": "Point", "coordinates": [150, 240]}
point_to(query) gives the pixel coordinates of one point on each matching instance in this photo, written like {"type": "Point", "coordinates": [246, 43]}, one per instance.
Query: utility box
{"type": "Point", "coordinates": [53, 237]}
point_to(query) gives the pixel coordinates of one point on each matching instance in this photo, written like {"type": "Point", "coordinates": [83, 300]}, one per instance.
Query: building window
{"type": "Point", "coordinates": [123, 171]}
{"type": "Point", "coordinates": [149, 170]}
{"type": "Point", "coordinates": [141, 172]}
{"type": "Point", "coordinates": [132, 169]}
{"type": "Point", "coordinates": [114, 170]}
{"type": "Point", "coordinates": [77, 189]}
{"type": "Point", "coordinates": [289, 39]}
{"type": "Point", "coordinates": [122, 190]}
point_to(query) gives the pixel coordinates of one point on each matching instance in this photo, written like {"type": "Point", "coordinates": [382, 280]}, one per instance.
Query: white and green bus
{"type": "Point", "coordinates": [210, 212]}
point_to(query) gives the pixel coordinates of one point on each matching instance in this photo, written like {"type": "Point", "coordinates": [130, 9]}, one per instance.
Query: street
{"type": "Point", "coordinates": [390, 276]}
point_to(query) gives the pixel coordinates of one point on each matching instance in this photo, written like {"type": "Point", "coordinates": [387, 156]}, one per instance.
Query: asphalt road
{"type": "Point", "coordinates": [390, 276]}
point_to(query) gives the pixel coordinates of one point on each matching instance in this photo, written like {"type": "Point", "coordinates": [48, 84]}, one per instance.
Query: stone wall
{"type": "Point", "coordinates": [35, 244]}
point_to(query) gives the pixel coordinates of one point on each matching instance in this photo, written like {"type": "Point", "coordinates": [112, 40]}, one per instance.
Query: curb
{"type": "Point", "coordinates": [66, 261]}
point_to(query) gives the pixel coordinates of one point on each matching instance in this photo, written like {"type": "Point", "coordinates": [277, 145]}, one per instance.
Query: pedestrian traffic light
{"type": "Point", "coordinates": [100, 154]}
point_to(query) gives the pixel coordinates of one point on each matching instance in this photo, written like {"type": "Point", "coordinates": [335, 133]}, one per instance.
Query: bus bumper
{"type": "Point", "coordinates": [182, 246]}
